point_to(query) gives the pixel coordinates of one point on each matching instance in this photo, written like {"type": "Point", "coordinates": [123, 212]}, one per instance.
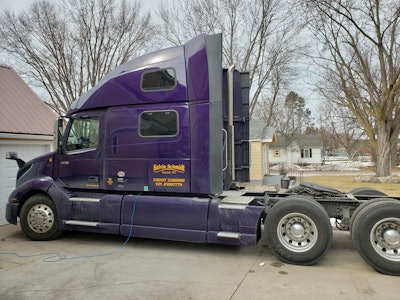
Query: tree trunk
{"type": "Point", "coordinates": [383, 150]}
{"type": "Point", "coordinates": [394, 157]}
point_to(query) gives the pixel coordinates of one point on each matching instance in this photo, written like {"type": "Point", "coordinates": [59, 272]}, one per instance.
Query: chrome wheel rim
{"type": "Point", "coordinates": [385, 238]}
{"type": "Point", "coordinates": [40, 218]}
{"type": "Point", "coordinates": [297, 232]}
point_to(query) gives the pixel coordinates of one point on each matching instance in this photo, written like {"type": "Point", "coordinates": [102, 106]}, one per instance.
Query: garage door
{"type": "Point", "coordinates": [9, 168]}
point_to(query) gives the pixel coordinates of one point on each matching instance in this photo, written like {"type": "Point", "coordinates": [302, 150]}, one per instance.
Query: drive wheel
{"type": "Point", "coordinates": [298, 230]}
{"type": "Point", "coordinates": [365, 191]}
{"type": "Point", "coordinates": [361, 207]}
{"type": "Point", "coordinates": [376, 235]}
{"type": "Point", "coordinates": [39, 219]}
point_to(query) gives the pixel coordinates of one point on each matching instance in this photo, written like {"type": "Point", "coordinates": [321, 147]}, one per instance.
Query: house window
{"type": "Point", "coordinates": [158, 123]}
{"type": "Point", "coordinates": [277, 153]}
{"type": "Point", "coordinates": [306, 153]}
{"type": "Point", "coordinates": [159, 80]}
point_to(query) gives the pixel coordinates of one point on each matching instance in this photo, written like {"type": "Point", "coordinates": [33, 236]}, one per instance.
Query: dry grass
{"type": "Point", "coordinates": [347, 183]}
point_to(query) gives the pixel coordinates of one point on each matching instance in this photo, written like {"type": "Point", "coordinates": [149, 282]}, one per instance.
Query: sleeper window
{"type": "Point", "coordinates": [158, 80]}
{"type": "Point", "coordinates": [158, 123]}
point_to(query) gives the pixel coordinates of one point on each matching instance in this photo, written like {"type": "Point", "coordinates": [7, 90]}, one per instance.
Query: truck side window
{"type": "Point", "coordinates": [158, 80]}
{"type": "Point", "coordinates": [83, 134]}
{"type": "Point", "coordinates": [158, 123]}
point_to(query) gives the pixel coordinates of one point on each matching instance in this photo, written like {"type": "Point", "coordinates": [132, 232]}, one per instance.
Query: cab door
{"type": "Point", "coordinates": [81, 162]}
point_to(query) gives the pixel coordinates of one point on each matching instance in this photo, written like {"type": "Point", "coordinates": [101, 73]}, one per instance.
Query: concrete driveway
{"type": "Point", "coordinates": [94, 266]}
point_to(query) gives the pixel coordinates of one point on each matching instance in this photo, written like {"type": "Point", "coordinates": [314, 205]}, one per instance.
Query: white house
{"type": "Point", "coordinates": [26, 127]}
{"type": "Point", "coordinates": [301, 149]}
{"type": "Point", "coordinates": [267, 149]}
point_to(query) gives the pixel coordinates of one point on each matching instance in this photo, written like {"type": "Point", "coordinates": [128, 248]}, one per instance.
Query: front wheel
{"type": "Point", "coordinates": [39, 218]}
{"type": "Point", "coordinates": [376, 235]}
{"type": "Point", "coordinates": [298, 230]}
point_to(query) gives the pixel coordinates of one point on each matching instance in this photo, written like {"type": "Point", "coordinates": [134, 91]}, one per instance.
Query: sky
{"type": "Point", "coordinates": [17, 5]}
{"type": "Point", "coordinates": [14, 4]}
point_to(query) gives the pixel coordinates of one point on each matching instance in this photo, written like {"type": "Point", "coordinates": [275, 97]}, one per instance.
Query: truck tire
{"type": "Point", "coordinates": [361, 207]}
{"type": "Point", "coordinates": [298, 230]}
{"type": "Point", "coordinates": [366, 191]}
{"type": "Point", "coordinates": [39, 218]}
{"type": "Point", "coordinates": [376, 235]}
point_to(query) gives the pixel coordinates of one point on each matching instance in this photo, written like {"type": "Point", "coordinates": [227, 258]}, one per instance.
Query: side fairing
{"type": "Point", "coordinates": [204, 79]}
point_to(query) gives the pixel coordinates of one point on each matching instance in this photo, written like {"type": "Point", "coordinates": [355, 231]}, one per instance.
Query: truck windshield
{"type": "Point", "coordinates": [83, 134]}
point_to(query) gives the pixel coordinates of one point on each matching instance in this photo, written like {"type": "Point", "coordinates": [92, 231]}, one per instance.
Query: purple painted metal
{"type": "Point", "coordinates": [197, 69]}
{"type": "Point", "coordinates": [98, 190]}
{"type": "Point", "coordinates": [200, 143]}
{"type": "Point", "coordinates": [166, 217]}
{"type": "Point", "coordinates": [160, 164]}
{"type": "Point", "coordinates": [106, 213]}
{"type": "Point", "coordinates": [18, 196]}
{"type": "Point", "coordinates": [122, 85]}
{"type": "Point", "coordinates": [82, 169]}
{"type": "Point", "coordinates": [233, 219]}
{"type": "Point", "coordinates": [135, 156]}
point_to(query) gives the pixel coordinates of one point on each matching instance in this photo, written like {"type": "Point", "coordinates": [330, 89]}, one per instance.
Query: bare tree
{"type": "Point", "coordinates": [341, 126]}
{"type": "Point", "coordinates": [268, 105]}
{"type": "Point", "coordinates": [261, 36]}
{"type": "Point", "coordinates": [360, 56]}
{"type": "Point", "coordinates": [66, 48]}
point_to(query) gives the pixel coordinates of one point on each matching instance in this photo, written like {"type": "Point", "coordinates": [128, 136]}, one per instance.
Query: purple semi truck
{"type": "Point", "coordinates": [155, 149]}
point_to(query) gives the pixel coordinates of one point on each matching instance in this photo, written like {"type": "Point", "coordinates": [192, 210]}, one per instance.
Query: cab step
{"type": "Point", "coordinates": [228, 235]}
{"type": "Point", "coordinates": [83, 199]}
{"type": "Point", "coordinates": [81, 223]}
